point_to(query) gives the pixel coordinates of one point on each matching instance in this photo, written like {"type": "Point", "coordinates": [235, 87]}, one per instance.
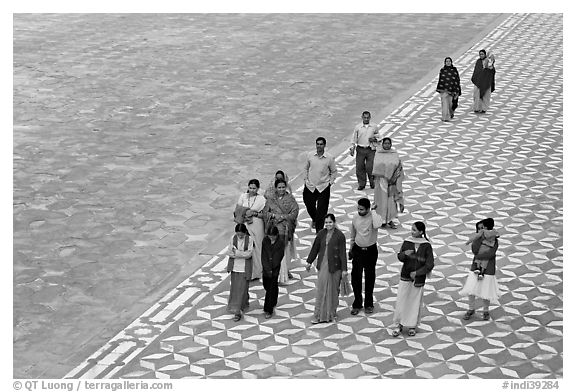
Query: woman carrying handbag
{"type": "Point", "coordinates": [330, 249]}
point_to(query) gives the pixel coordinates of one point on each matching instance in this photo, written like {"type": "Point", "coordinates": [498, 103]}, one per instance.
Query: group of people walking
{"type": "Point", "coordinates": [263, 242]}
{"type": "Point", "coordinates": [483, 78]}
{"type": "Point", "coordinates": [265, 226]}
{"type": "Point", "coordinates": [263, 245]}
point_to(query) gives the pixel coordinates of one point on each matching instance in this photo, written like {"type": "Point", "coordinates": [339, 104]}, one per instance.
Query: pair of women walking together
{"type": "Point", "coordinates": [277, 207]}
{"type": "Point", "coordinates": [241, 253]}
{"type": "Point", "coordinates": [482, 78]}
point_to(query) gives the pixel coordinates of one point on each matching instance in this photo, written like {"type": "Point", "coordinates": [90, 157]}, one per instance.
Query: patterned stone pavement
{"type": "Point", "coordinates": [506, 164]}
{"type": "Point", "coordinates": [135, 133]}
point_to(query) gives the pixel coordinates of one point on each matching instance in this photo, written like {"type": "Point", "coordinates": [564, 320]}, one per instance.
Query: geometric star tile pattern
{"type": "Point", "coordinates": [506, 164]}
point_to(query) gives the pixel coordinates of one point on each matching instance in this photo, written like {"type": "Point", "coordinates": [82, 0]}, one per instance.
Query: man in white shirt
{"type": "Point", "coordinates": [364, 254]}
{"type": "Point", "coordinates": [364, 140]}
{"type": "Point", "coordinates": [319, 175]}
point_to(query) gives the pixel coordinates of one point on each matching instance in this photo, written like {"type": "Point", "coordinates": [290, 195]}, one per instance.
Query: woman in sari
{"type": "Point", "coordinates": [272, 188]}
{"type": "Point", "coordinates": [253, 203]}
{"type": "Point", "coordinates": [449, 88]}
{"type": "Point", "coordinates": [330, 248]}
{"type": "Point", "coordinates": [388, 176]}
{"type": "Point", "coordinates": [483, 79]}
{"type": "Point", "coordinates": [417, 260]}
{"type": "Point", "coordinates": [281, 210]}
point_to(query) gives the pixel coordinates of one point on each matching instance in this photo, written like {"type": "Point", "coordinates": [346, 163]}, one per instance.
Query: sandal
{"type": "Point", "coordinates": [392, 225]}
{"type": "Point", "coordinates": [412, 332]}
{"type": "Point", "coordinates": [486, 316]}
{"type": "Point", "coordinates": [396, 331]}
{"type": "Point", "coordinates": [468, 314]}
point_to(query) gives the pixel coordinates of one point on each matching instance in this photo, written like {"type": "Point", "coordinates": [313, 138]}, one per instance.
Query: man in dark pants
{"type": "Point", "coordinates": [364, 254]}
{"type": "Point", "coordinates": [319, 175]}
{"type": "Point", "coordinates": [272, 254]}
{"type": "Point", "coordinates": [364, 142]}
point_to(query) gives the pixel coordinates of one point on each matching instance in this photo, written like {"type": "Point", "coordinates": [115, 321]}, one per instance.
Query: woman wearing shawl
{"type": "Point", "coordinates": [417, 260]}
{"type": "Point", "coordinates": [272, 189]}
{"type": "Point", "coordinates": [388, 176]}
{"type": "Point", "coordinates": [253, 203]}
{"type": "Point", "coordinates": [449, 88]}
{"type": "Point", "coordinates": [281, 210]}
{"type": "Point", "coordinates": [483, 79]}
{"type": "Point", "coordinates": [330, 248]}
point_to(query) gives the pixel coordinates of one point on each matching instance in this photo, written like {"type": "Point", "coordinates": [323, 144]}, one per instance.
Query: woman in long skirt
{"type": "Point", "coordinates": [388, 177]}
{"type": "Point", "coordinates": [486, 288]}
{"type": "Point", "coordinates": [330, 248]}
{"type": "Point", "coordinates": [254, 203]}
{"type": "Point", "coordinates": [240, 269]}
{"type": "Point", "coordinates": [417, 260]}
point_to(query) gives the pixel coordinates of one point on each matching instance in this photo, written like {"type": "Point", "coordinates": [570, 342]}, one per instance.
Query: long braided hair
{"type": "Point", "coordinates": [421, 227]}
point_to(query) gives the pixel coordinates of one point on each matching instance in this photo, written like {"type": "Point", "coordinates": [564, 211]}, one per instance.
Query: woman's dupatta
{"type": "Point", "coordinates": [287, 205]}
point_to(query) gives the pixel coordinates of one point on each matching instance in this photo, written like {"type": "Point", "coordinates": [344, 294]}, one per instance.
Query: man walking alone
{"type": "Point", "coordinates": [319, 175]}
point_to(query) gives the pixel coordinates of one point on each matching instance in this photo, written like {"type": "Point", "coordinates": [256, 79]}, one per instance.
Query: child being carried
{"type": "Point", "coordinates": [488, 235]}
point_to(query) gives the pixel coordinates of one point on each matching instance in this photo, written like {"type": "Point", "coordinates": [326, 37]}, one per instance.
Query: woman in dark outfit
{"type": "Point", "coordinates": [449, 88]}
{"type": "Point", "coordinates": [483, 79]}
{"type": "Point", "coordinates": [272, 254]}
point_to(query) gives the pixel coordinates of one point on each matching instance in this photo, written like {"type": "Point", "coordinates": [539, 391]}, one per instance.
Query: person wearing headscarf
{"type": "Point", "coordinates": [449, 88]}
{"type": "Point", "coordinates": [484, 81]}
